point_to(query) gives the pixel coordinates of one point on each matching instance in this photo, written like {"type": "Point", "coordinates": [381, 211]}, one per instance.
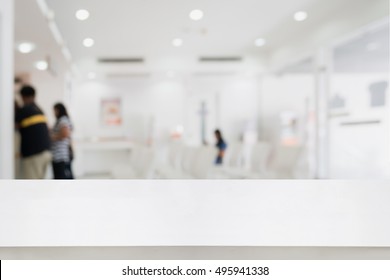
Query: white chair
{"type": "Point", "coordinates": [234, 155]}
{"type": "Point", "coordinates": [182, 166]}
{"type": "Point", "coordinates": [196, 163]}
{"type": "Point", "coordinates": [146, 164]}
{"type": "Point", "coordinates": [140, 166]}
{"type": "Point", "coordinates": [258, 159]}
{"type": "Point", "coordinates": [233, 160]}
{"type": "Point", "coordinates": [282, 163]}
{"type": "Point", "coordinates": [175, 154]}
{"type": "Point", "coordinates": [171, 165]}
{"type": "Point", "coordinates": [189, 154]}
{"type": "Point", "coordinates": [203, 162]}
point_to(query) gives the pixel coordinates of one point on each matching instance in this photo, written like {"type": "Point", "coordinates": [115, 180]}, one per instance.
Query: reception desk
{"type": "Point", "coordinates": [97, 157]}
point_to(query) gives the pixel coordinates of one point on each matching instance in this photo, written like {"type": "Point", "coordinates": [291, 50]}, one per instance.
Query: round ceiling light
{"type": "Point", "coordinates": [177, 42]}
{"type": "Point", "coordinates": [196, 15]}
{"type": "Point", "coordinates": [26, 47]}
{"type": "Point", "coordinates": [260, 42]}
{"type": "Point", "coordinates": [42, 65]}
{"type": "Point", "coordinates": [82, 14]}
{"type": "Point", "coordinates": [300, 16]}
{"type": "Point", "coordinates": [88, 42]}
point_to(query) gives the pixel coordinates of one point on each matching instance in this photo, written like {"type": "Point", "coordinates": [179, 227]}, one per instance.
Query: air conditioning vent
{"type": "Point", "coordinates": [214, 74]}
{"type": "Point", "coordinates": [121, 60]}
{"type": "Point", "coordinates": [127, 75]}
{"type": "Point", "coordinates": [220, 59]}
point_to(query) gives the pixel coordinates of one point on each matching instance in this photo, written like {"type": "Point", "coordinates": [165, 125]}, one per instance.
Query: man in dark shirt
{"type": "Point", "coordinates": [35, 138]}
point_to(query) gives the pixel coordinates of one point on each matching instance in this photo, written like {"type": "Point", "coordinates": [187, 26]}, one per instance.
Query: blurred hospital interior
{"type": "Point", "coordinates": [296, 89]}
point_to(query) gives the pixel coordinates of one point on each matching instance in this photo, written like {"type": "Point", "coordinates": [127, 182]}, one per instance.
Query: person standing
{"type": "Point", "coordinates": [35, 138]}
{"type": "Point", "coordinates": [17, 167]}
{"type": "Point", "coordinates": [61, 144]}
{"type": "Point", "coordinates": [221, 146]}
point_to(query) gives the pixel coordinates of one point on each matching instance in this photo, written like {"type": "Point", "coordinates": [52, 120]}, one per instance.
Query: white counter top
{"type": "Point", "coordinates": [193, 213]}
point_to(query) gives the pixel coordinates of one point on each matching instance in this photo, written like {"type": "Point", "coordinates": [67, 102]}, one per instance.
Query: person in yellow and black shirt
{"type": "Point", "coordinates": [35, 137]}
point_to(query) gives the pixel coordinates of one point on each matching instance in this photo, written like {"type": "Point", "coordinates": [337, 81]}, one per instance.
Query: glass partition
{"type": "Point", "coordinates": [288, 114]}
{"type": "Point", "coordinates": [359, 106]}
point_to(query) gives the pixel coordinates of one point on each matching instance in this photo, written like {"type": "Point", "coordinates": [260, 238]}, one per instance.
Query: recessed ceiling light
{"type": "Point", "coordinates": [41, 65]}
{"type": "Point", "coordinates": [177, 42]}
{"type": "Point", "coordinates": [82, 14]}
{"type": "Point", "coordinates": [26, 47]}
{"type": "Point", "coordinates": [260, 42]}
{"type": "Point", "coordinates": [91, 75]}
{"type": "Point", "coordinates": [88, 42]}
{"type": "Point", "coordinates": [300, 16]}
{"type": "Point", "coordinates": [196, 15]}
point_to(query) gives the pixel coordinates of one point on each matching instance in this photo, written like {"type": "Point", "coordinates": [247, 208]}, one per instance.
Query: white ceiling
{"type": "Point", "coordinates": [367, 52]}
{"type": "Point", "coordinates": [146, 28]}
{"type": "Point", "coordinates": [31, 26]}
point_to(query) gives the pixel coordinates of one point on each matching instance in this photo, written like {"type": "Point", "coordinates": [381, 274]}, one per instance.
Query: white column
{"type": "Point", "coordinates": [323, 72]}
{"type": "Point", "coordinates": [6, 90]}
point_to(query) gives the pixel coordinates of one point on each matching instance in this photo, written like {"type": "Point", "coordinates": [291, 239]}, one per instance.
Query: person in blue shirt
{"type": "Point", "coordinates": [221, 146]}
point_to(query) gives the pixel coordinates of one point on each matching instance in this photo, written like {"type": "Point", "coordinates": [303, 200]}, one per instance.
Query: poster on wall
{"type": "Point", "coordinates": [111, 112]}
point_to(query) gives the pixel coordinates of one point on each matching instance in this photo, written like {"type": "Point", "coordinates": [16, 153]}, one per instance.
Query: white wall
{"type": "Point", "coordinates": [170, 102]}
{"type": "Point", "coordinates": [233, 105]}
{"type": "Point", "coordinates": [142, 98]}
{"type": "Point", "coordinates": [6, 90]}
{"type": "Point", "coordinates": [50, 90]}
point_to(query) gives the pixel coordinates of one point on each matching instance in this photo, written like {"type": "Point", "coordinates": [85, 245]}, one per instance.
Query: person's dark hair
{"type": "Point", "coordinates": [218, 133]}
{"type": "Point", "coordinates": [16, 106]}
{"type": "Point", "coordinates": [27, 91]}
{"type": "Point", "coordinates": [17, 80]}
{"type": "Point", "coordinates": [61, 110]}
